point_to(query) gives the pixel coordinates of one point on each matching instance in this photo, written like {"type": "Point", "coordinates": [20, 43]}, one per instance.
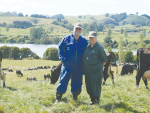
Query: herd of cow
{"type": "Point", "coordinates": [142, 68]}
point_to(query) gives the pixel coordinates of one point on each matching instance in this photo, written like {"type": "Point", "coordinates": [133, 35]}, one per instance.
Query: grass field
{"type": "Point", "coordinates": [22, 96]}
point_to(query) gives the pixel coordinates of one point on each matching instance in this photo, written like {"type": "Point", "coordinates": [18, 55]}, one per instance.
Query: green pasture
{"type": "Point", "coordinates": [22, 96]}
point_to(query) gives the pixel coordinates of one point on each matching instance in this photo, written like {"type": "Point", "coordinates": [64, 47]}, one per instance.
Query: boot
{"type": "Point", "coordinates": [94, 101]}
{"type": "Point", "coordinates": [58, 97]}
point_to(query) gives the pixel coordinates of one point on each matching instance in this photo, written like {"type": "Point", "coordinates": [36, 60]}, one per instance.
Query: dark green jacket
{"type": "Point", "coordinates": [94, 57]}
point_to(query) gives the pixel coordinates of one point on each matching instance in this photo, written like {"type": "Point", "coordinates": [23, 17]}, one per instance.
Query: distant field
{"type": "Point", "coordinates": [38, 96]}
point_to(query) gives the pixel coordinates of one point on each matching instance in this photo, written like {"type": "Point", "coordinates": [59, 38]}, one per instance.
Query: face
{"type": "Point", "coordinates": [77, 31]}
{"type": "Point", "coordinates": [92, 40]}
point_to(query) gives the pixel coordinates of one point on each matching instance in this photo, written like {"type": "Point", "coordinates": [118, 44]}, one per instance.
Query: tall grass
{"type": "Point", "coordinates": [22, 96]}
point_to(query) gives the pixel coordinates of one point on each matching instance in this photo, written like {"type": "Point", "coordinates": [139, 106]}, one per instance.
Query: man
{"type": "Point", "coordinates": [70, 52]}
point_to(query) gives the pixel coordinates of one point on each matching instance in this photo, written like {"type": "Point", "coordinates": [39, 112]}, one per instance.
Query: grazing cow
{"type": "Point", "coordinates": [107, 68]}
{"type": "Point", "coordinates": [10, 70]}
{"type": "Point", "coordinates": [54, 66]}
{"type": "Point", "coordinates": [46, 76]}
{"type": "Point", "coordinates": [31, 79]}
{"type": "Point", "coordinates": [40, 67]}
{"type": "Point", "coordinates": [126, 69]}
{"type": "Point", "coordinates": [18, 72]}
{"type": "Point", "coordinates": [4, 69]}
{"type": "Point", "coordinates": [2, 74]}
{"type": "Point", "coordinates": [46, 67]}
{"type": "Point", "coordinates": [55, 73]}
{"type": "Point", "coordinates": [143, 54]}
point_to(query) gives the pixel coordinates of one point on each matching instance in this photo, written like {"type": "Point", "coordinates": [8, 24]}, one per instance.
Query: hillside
{"type": "Point", "coordinates": [7, 14]}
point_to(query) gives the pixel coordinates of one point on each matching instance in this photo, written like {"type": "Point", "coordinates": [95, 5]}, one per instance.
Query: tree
{"type": "Point", "coordinates": [141, 40]}
{"type": "Point", "coordinates": [109, 32]}
{"type": "Point", "coordinates": [20, 15]}
{"type": "Point", "coordinates": [35, 21]}
{"type": "Point", "coordinates": [137, 13]}
{"type": "Point", "coordinates": [125, 33]}
{"type": "Point", "coordinates": [5, 50]}
{"type": "Point", "coordinates": [144, 33]}
{"type": "Point", "coordinates": [120, 49]}
{"type": "Point", "coordinates": [58, 20]}
{"type": "Point", "coordinates": [25, 53]}
{"type": "Point", "coordinates": [107, 15]}
{"type": "Point", "coordinates": [128, 56]}
{"type": "Point", "coordinates": [56, 40]}
{"type": "Point", "coordinates": [51, 54]}
{"type": "Point", "coordinates": [107, 39]}
{"type": "Point", "coordinates": [121, 31]}
{"type": "Point", "coordinates": [7, 28]}
{"type": "Point", "coordinates": [15, 53]}
{"type": "Point", "coordinates": [51, 29]}
{"type": "Point", "coordinates": [109, 48]}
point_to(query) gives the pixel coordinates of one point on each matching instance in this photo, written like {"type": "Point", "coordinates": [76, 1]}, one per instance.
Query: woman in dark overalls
{"type": "Point", "coordinates": [94, 59]}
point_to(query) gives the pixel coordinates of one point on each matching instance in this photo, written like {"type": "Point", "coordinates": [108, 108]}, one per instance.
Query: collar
{"type": "Point", "coordinates": [93, 46]}
{"type": "Point", "coordinates": [74, 38]}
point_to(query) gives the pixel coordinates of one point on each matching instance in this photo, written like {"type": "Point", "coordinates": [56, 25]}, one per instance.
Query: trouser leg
{"type": "Point", "coordinates": [65, 75]}
{"type": "Point", "coordinates": [76, 82]}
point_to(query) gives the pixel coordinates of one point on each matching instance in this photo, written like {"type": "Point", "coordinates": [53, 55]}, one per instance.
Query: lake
{"type": "Point", "coordinates": [39, 49]}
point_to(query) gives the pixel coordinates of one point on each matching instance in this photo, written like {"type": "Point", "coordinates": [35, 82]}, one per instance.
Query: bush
{"type": "Point", "coordinates": [128, 56]}
{"type": "Point", "coordinates": [51, 54]}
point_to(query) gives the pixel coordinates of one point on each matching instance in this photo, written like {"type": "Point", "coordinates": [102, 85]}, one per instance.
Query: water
{"type": "Point", "coordinates": [39, 49]}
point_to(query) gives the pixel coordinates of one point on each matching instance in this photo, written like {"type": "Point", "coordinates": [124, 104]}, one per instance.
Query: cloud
{"type": "Point", "coordinates": [104, 1]}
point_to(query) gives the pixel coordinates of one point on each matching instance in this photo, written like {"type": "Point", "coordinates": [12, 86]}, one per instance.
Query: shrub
{"type": "Point", "coordinates": [51, 54]}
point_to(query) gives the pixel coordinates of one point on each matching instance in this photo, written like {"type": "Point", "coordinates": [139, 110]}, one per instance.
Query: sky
{"type": "Point", "coordinates": [75, 7]}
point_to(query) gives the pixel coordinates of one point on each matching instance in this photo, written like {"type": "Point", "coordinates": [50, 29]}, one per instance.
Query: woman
{"type": "Point", "coordinates": [94, 59]}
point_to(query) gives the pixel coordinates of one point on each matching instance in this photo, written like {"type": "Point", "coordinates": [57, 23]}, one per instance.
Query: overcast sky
{"type": "Point", "coordinates": [75, 7]}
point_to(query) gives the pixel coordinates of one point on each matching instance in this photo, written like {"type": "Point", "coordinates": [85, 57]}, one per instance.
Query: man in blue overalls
{"type": "Point", "coordinates": [71, 51]}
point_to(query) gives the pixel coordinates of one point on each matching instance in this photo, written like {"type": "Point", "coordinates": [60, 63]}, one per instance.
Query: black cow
{"type": "Point", "coordinates": [4, 69]}
{"type": "Point", "coordinates": [143, 54]}
{"type": "Point", "coordinates": [31, 79]}
{"type": "Point", "coordinates": [46, 67]}
{"type": "Point", "coordinates": [55, 73]}
{"type": "Point", "coordinates": [46, 76]}
{"type": "Point", "coordinates": [40, 67]}
{"type": "Point", "coordinates": [107, 68]}
{"type": "Point", "coordinates": [18, 72]}
{"type": "Point", "coordinates": [126, 69]}
{"type": "Point", "coordinates": [10, 70]}
{"type": "Point", "coordinates": [54, 66]}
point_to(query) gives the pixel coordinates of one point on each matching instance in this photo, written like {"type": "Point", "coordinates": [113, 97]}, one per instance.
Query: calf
{"type": "Point", "coordinates": [107, 68]}
{"type": "Point", "coordinates": [18, 72]}
{"type": "Point", "coordinates": [2, 74]}
{"type": "Point", "coordinates": [31, 79]}
{"type": "Point", "coordinates": [46, 76]}
{"type": "Point", "coordinates": [55, 73]}
{"type": "Point", "coordinates": [143, 54]}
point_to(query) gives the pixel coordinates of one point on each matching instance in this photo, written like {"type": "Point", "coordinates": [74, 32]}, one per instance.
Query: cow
{"type": "Point", "coordinates": [31, 79]}
{"type": "Point", "coordinates": [46, 67]}
{"type": "Point", "coordinates": [54, 66]}
{"type": "Point", "coordinates": [55, 73]}
{"type": "Point", "coordinates": [40, 67]}
{"type": "Point", "coordinates": [46, 76]}
{"type": "Point", "coordinates": [10, 70]}
{"type": "Point", "coordinates": [4, 68]}
{"type": "Point", "coordinates": [2, 74]}
{"type": "Point", "coordinates": [146, 75]}
{"type": "Point", "coordinates": [18, 72]}
{"type": "Point", "coordinates": [143, 54]}
{"type": "Point", "coordinates": [107, 68]}
{"type": "Point", "coordinates": [126, 69]}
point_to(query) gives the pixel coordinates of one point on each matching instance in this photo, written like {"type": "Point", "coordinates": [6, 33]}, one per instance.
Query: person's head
{"type": "Point", "coordinates": [92, 37]}
{"type": "Point", "coordinates": [77, 29]}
